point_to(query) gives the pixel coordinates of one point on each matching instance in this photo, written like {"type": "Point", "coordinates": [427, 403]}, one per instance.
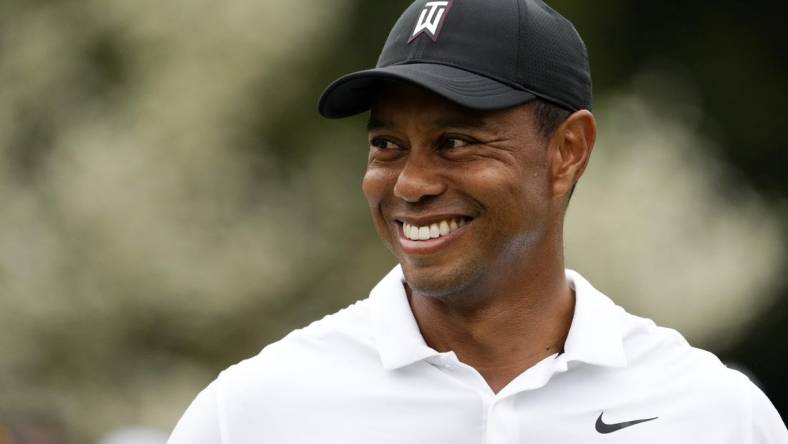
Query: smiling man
{"type": "Point", "coordinates": [471, 203]}
{"type": "Point", "coordinates": [479, 130]}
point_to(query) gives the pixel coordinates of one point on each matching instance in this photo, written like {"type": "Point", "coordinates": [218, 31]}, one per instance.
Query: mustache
{"type": "Point", "coordinates": [431, 206]}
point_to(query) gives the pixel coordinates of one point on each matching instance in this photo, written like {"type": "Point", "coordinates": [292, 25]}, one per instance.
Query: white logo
{"type": "Point", "coordinates": [431, 19]}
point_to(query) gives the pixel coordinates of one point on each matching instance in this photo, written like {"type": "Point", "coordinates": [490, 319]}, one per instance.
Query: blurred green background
{"type": "Point", "coordinates": [170, 200]}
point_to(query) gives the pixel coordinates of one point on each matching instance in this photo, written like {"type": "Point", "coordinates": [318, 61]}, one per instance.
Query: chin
{"type": "Point", "coordinates": [446, 285]}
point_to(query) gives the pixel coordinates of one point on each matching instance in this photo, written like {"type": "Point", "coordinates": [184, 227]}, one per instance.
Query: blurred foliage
{"type": "Point", "coordinates": [171, 201]}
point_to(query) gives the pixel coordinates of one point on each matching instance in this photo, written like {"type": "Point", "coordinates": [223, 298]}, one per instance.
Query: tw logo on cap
{"type": "Point", "coordinates": [431, 19]}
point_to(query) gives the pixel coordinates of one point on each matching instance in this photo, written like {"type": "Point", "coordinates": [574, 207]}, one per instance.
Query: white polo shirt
{"type": "Point", "coordinates": [365, 375]}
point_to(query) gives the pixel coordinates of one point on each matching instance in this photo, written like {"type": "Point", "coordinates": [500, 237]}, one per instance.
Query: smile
{"type": "Point", "coordinates": [425, 237]}
{"type": "Point", "coordinates": [432, 231]}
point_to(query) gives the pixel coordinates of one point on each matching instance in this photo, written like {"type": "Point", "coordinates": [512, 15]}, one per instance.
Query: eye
{"type": "Point", "coordinates": [383, 144]}
{"type": "Point", "coordinates": [384, 150]}
{"type": "Point", "coordinates": [450, 143]}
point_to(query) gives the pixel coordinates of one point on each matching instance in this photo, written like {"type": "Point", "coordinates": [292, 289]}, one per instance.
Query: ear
{"type": "Point", "coordinates": [571, 147]}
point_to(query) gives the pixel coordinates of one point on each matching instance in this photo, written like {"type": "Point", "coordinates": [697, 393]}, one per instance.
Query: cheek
{"type": "Point", "coordinates": [378, 187]}
{"type": "Point", "coordinates": [374, 185]}
{"type": "Point", "coordinates": [515, 196]}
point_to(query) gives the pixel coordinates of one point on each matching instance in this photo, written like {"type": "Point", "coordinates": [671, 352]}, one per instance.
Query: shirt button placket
{"type": "Point", "coordinates": [502, 425]}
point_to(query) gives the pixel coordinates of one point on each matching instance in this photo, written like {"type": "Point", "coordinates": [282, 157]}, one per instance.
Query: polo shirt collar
{"type": "Point", "coordinates": [594, 336]}
{"type": "Point", "coordinates": [397, 334]}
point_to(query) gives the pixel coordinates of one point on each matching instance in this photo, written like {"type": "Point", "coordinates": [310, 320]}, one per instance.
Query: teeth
{"type": "Point", "coordinates": [433, 231]}
{"type": "Point", "coordinates": [444, 228]}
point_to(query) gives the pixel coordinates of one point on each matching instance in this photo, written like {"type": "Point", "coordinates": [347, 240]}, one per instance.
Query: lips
{"type": "Point", "coordinates": [423, 236]}
{"type": "Point", "coordinates": [432, 231]}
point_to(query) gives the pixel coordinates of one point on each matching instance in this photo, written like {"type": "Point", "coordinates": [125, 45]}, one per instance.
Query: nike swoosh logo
{"type": "Point", "coordinates": [603, 428]}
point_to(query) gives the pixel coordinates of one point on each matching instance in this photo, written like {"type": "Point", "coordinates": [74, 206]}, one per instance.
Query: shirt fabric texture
{"type": "Point", "coordinates": [366, 375]}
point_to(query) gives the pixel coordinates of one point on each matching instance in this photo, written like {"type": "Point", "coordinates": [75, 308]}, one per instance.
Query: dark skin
{"type": "Point", "coordinates": [494, 291]}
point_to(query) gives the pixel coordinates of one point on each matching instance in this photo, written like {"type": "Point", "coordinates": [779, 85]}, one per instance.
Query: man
{"type": "Point", "coordinates": [479, 130]}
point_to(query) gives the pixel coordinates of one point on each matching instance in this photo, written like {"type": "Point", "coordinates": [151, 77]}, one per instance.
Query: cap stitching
{"type": "Point", "coordinates": [544, 96]}
{"type": "Point", "coordinates": [437, 61]}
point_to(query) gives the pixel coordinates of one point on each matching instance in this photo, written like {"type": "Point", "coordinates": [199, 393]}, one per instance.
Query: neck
{"type": "Point", "coordinates": [524, 318]}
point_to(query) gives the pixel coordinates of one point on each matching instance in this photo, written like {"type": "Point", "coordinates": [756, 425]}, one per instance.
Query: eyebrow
{"type": "Point", "coordinates": [465, 121]}
{"type": "Point", "coordinates": [375, 123]}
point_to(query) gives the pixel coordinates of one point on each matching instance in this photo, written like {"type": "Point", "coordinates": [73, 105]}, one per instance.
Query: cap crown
{"type": "Point", "coordinates": [522, 43]}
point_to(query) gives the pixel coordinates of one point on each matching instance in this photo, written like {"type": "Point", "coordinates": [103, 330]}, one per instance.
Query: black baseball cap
{"type": "Point", "coordinates": [481, 54]}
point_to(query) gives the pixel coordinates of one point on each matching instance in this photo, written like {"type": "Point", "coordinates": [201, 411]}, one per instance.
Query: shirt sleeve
{"type": "Point", "coordinates": [200, 423]}
{"type": "Point", "coordinates": [767, 426]}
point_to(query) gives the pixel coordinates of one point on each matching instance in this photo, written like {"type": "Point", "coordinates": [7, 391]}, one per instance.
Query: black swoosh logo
{"type": "Point", "coordinates": [603, 428]}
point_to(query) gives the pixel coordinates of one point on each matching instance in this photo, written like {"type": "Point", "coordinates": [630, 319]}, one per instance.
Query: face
{"type": "Point", "coordinates": [460, 197]}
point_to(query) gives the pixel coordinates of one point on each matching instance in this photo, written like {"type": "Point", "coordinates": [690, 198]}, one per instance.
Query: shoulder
{"type": "Point", "coordinates": [326, 350]}
{"type": "Point", "coordinates": [264, 397]}
{"type": "Point", "coordinates": [666, 357]}
{"type": "Point", "coordinates": [697, 386]}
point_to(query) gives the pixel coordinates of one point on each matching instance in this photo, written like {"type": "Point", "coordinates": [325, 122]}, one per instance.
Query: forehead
{"type": "Point", "coordinates": [400, 102]}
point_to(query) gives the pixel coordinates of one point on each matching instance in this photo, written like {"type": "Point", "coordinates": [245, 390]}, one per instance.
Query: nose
{"type": "Point", "coordinates": [419, 179]}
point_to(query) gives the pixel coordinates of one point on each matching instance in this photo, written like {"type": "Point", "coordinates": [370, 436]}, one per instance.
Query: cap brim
{"type": "Point", "coordinates": [356, 92]}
